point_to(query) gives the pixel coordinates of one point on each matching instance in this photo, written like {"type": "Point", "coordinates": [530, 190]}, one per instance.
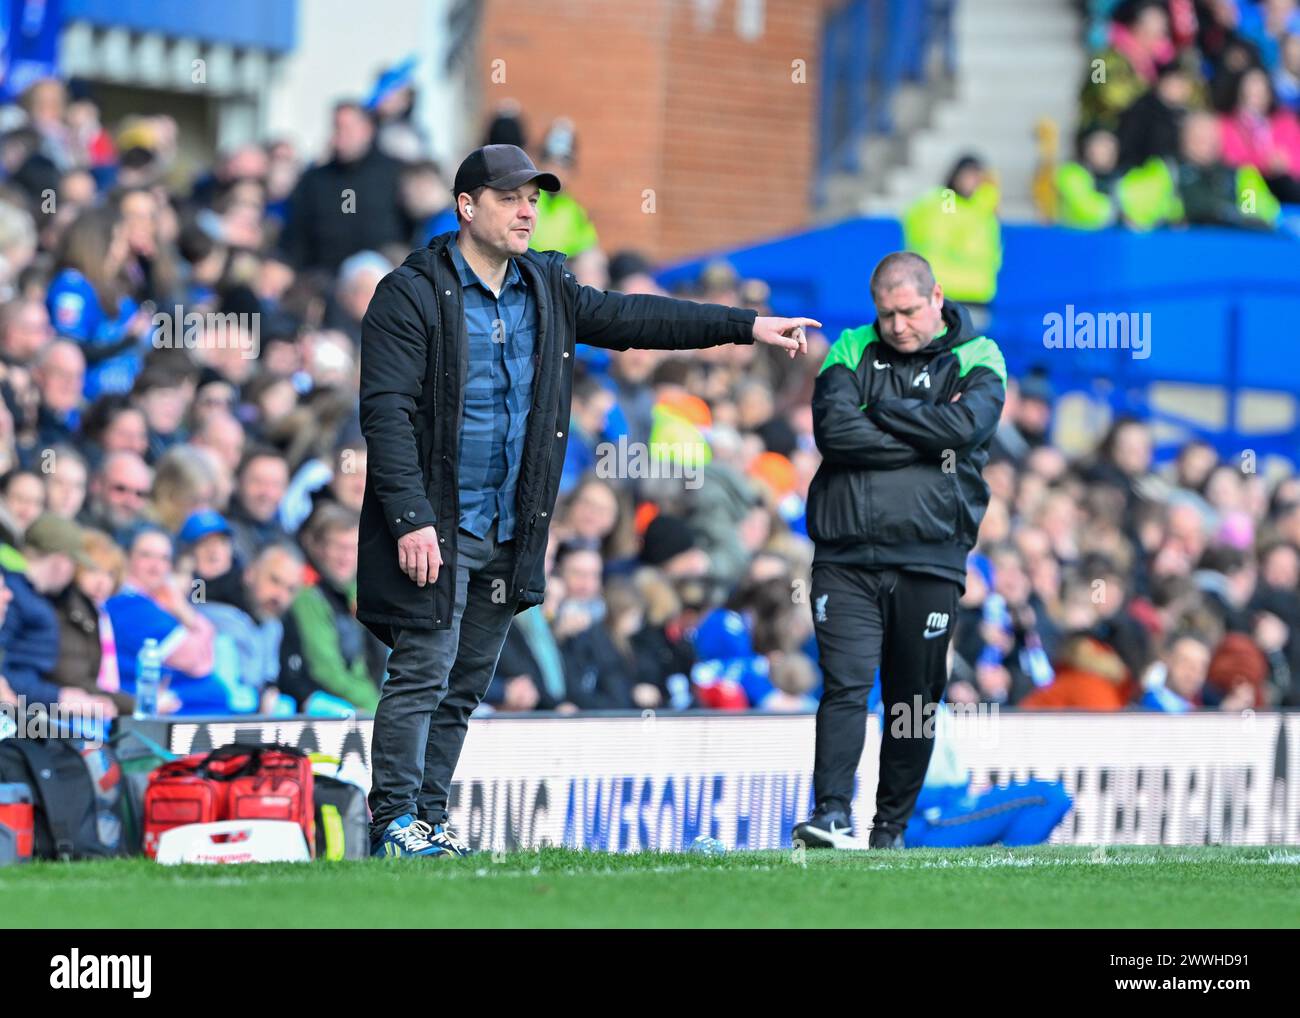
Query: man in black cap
{"type": "Point", "coordinates": [466, 378]}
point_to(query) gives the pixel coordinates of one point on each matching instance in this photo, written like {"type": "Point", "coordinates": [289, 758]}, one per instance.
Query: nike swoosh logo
{"type": "Point", "coordinates": [931, 634]}
{"type": "Point", "coordinates": [878, 365]}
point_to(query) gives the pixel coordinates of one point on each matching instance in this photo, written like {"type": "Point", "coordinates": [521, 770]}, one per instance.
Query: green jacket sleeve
{"type": "Point", "coordinates": [324, 658]}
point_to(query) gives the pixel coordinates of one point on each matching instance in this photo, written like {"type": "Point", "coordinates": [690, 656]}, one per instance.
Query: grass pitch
{"type": "Point", "coordinates": [1052, 886]}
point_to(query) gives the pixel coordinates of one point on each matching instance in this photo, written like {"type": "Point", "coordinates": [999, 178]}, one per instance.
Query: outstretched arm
{"type": "Point", "coordinates": [619, 321]}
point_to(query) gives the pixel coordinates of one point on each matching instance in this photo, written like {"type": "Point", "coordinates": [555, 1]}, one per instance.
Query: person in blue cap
{"type": "Point", "coordinates": [207, 538]}
{"type": "Point", "coordinates": [392, 103]}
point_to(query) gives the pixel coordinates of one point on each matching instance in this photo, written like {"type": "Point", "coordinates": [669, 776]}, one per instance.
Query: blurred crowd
{"type": "Point", "coordinates": [181, 461]}
{"type": "Point", "coordinates": [1107, 582]}
{"type": "Point", "coordinates": [1190, 113]}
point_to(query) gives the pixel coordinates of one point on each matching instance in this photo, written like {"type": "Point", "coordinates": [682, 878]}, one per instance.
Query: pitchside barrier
{"type": "Point", "coordinates": [627, 783]}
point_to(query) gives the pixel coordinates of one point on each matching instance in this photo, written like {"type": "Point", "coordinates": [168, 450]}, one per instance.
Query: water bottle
{"type": "Point", "coordinates": [704, 845]}
{"type": "Point", "coordinates": [148, 679]}
{"type": "Point", "coordinates": [1035, 661]}
{"type": "Point", "coordinates": [997, 612]}
{"type": "Point", "coordinates": [679, 691]}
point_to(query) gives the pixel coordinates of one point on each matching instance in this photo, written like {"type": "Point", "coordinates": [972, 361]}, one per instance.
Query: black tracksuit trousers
{"type": "Point", "coordinates": [902, 622]}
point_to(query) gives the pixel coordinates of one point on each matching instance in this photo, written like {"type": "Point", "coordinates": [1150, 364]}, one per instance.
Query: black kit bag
{"type": "Point", "coordinates": [77, 795]}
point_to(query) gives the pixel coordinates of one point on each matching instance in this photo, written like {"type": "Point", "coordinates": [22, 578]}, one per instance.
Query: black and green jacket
{"type": "Point", "coordinates": [901, 485]}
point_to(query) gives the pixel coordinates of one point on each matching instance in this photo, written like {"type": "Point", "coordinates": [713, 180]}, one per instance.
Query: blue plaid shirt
{"type": "Point", "coordinates": [498, 395]}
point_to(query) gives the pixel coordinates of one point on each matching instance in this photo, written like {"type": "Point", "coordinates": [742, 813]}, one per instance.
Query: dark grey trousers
{"type": "Point", "coordinates": [436, 677]}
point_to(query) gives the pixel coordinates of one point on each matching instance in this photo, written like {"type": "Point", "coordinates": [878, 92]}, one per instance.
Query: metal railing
{"type": "Point", "coordinates": [869, 49]}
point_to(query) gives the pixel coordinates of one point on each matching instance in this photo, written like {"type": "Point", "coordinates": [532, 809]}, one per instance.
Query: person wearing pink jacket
{"type": "Point", "coordinates": [1261, 134]}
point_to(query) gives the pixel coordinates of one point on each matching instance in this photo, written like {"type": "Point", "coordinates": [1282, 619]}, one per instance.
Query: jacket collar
{"type": "Point", "coordinates": [438, 247]}
{"type": "Point", "coordinates": [468, 277]}
{"type": "Point", "coordinates": [960, 329]}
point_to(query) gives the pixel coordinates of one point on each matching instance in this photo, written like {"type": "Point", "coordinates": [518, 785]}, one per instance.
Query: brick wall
{"type": "Point", "coordinates": [668, 96]}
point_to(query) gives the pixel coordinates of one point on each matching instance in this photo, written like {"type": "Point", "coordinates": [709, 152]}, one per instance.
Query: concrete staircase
{"type": "Point", "coordinates": [1017, 61]}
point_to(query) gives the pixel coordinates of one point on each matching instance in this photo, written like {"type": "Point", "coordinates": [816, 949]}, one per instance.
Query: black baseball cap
{"type": "Point", "coordinates": [503, 167]}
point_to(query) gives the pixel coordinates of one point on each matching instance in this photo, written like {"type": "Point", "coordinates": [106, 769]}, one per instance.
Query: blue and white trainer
{"type": "Point", "coordinates": [407, 838]}
{"type": "Point", "coordinates": [442, 835]}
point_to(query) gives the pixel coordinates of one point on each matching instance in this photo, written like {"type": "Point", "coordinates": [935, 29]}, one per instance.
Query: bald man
{"type": "Point", "coordinates": [903, 413]}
